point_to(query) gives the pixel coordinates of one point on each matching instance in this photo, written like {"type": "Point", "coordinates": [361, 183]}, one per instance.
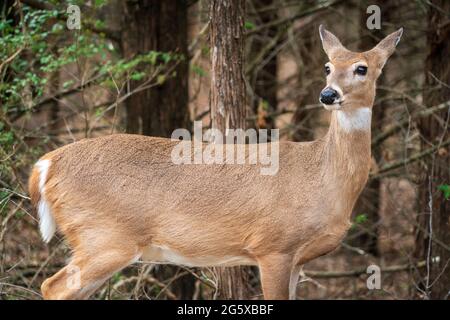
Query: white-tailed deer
{"type": "Point", "coordinates": [120, 198]}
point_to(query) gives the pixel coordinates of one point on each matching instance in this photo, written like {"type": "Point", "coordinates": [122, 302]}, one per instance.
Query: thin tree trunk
{"type": "Point", "coordinates": [264, 78]}
{"type": "Point", "coordinates": [227, 98]}
{"type": "Point", "coordinates": [434, 215]}
{"type": "Point", "coordinates": [162, 26]}
{"type": "Point", "coordinates": [227, 56]}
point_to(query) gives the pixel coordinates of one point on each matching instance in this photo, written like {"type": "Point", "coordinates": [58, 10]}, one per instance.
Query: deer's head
{"type": "Point", "coordinates": [351, 76]}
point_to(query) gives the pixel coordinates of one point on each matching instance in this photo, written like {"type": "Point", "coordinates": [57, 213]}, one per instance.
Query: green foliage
{"type": "Point", "coordinates": [359, 220]}
{"type": "Point", "coordinates": [198, 70]}
{"type": "Point", "coordinates": [116, 277]}
{"type": "Point", "coordinates": [6, 139]}
{"type": "Point", "coordinates": [32, 38]}
{"type": "Point", "coordinates": [141, 68]}
{"type": "Point", "coordinates": [38, 47]}
{"type": "Point", "coordinates": [100, 3]}
{"type": "Point", "coordinates": [249, 25]}
{"type": "Point", "coordinates": [32, 56]}
{"type": "Point", "coordinates": [445, 188]}
{"type": "Point", "coordinates": [161, 79]}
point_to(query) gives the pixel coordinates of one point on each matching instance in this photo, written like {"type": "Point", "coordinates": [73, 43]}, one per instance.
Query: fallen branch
{"type": "Point", "coordinates": [358, 272]}
{"type": "Point", "coordinates": [402, 162]}
{"type": "Point", "coordinates": [26, 270]}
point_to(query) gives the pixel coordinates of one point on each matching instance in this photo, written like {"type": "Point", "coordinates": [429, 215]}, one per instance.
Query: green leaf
{"type": "Point", "coordinates": [6, 138]}
{"type": "Point", "coordinates": [137, 76]}
{"type": "Point", "coordinates": [166, 57]}
{"type": "Point", "coordinates": [3, 195]}
{"type": "Point", "coordinates": [445, 188]}
{"type": "Point", "coordinates": [152, 56]}
{"type": "Point", "coordinates": [100, 3]}
{"type": "Point", "coordinates": [67, 84]}
{"type": "Point", "coordinates": [361, 218]}
{"type": "Point", "coordinates": [198, 70]}
{"type": "Point", "coordinates": [116, 277]}
{"type": "Point", "coordinates": [99, 112]}
{"type": "Point", "coordinates": [20, 214]}
{"type": "Point", "coordinates": [99, 24]}
{"type": "Point", "coordinates": [160, 79]}
{"type": "Point", "coordinates": [249, 25]}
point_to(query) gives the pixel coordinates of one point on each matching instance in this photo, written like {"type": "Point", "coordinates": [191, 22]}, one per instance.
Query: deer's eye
{"type": "Point", "coordinates": [327, 70]}
{"type": "Point", "coordinates": [361, 70]}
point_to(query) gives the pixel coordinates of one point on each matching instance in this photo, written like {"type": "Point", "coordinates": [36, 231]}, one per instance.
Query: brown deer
{"type": "Point", "coordinates": [120, 198]}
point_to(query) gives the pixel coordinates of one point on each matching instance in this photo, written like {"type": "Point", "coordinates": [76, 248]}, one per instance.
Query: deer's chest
{"type": "Point", "coordinates": [325, 240]}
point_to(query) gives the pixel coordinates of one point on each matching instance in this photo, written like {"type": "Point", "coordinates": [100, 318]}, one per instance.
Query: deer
{"type": "Point", "coordinates": [118, 199]}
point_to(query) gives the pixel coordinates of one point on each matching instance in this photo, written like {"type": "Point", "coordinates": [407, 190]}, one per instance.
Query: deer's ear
{"type": "Point", "coordinates": [329, 41]}
{"type": "Point", "coordinates": [386, 47]}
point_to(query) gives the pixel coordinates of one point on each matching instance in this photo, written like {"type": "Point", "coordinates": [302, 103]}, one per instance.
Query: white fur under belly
{"type": "Point", "coordinates": [165, 255]}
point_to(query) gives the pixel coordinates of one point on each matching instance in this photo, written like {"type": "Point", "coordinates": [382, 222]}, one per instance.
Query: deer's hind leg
{"type": "Point", "coordinates": [88, 270]}
{"type": "Point", "coordinates": [293, 281]}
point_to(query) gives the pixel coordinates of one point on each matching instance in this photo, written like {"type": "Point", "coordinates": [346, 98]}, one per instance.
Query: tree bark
{"type": "Point", "coordinates": [434, 215]}
{"type": "Point", "coordinates": [227, 56]}
{"type": "Point", "coordinates": [227, 99]}
{"type": "Point", "coordinates": [264, 78]}
{"type": "Point", "coordinates": [161, 26]}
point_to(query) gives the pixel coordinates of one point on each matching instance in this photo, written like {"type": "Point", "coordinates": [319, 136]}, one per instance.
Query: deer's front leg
{"type": "Point", "coordinates": [275, 273]}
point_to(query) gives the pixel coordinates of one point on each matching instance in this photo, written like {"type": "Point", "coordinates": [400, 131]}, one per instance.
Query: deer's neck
{"type": "Point", "coordinates": [347, 154]}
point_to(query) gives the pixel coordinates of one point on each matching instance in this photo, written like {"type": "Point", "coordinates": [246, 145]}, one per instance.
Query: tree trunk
{"type": "Point", "coordinates": [434, 216]}
{"type": "Point", "coordinates": [227, 56]}
{"type": "Point", "coordinates": [161, 26]}
{"type": "Point", "coordinates": [54, 105]}
{"type": "Point", "coordinates": [264, 77]}
{"type": "Point", "coordinates": [227, 99]}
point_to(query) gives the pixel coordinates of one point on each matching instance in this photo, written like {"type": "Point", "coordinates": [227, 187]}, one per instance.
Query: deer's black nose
{"type": "Point", "coordinates": [328, 96]}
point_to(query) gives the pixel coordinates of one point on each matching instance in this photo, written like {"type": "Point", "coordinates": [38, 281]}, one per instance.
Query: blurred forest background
{"type": "Point", "coordinates": [144, 66]}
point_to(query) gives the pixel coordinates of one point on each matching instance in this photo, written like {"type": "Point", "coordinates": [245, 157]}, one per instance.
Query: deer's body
{"type": "Point", "coordinates": [120, 198]}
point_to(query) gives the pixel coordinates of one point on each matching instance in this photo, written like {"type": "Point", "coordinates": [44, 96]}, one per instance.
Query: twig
{"type": "Point", "coordinates": [358, 272]}
{"type": "Point", "coordinates": [397, 126]}
{"type": "Point", "coordinates": [60, 95]}
{"type": "Point", "coordinates": [20, 288]}
{"type": "Point", "coordinates": [111, 34]}
{"type": "Point", "coordinates": [10, 58]}
{"type": "Point", "coordinates": [292, 18]}
{"type": "Point", "coordinates": [399, 163]}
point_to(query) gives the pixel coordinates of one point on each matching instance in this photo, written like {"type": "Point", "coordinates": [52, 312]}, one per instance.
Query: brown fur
{"type": "Point", "coordinates": [33, 188]}
{"type": "Point", "coordinates": [114, 196]}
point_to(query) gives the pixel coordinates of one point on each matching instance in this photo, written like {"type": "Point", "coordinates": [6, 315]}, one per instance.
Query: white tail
{"type": "Point", "coordinates": [120, 198]}
{"type": "Point", "coordinates": [47, 224]}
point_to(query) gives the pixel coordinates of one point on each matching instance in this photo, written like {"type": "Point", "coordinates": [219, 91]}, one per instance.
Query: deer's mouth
{"type": "Point", "coordinates": [334, 106]}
